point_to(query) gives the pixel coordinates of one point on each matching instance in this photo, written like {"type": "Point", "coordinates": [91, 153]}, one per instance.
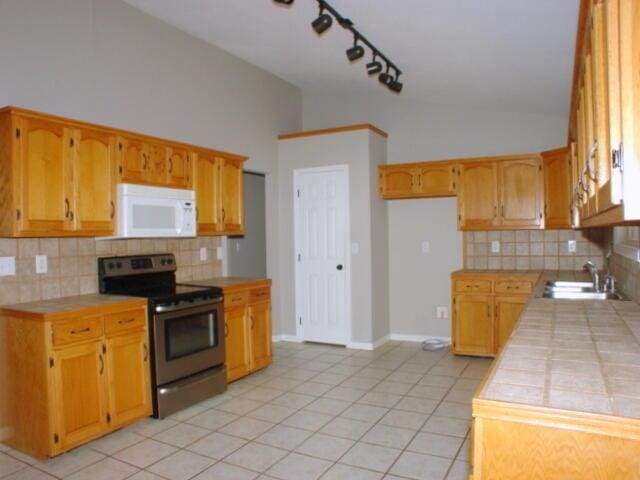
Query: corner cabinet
{"type": "Point", "coordinates": [556, 167]}
{"type": "Point", "coordinates": [73, 375]}
{"type": "Point", "coordinates": [486, 307]}
{"type": "Point", "coordinates": [219, 194]}
{"type": "Point", "coordinates": [247, 317]}
{"type": "Point", "coordinates": [58, 176]}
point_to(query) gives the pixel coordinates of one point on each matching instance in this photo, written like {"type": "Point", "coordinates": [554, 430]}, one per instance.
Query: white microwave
{"type": "Point", "coordinates": [155, 212]}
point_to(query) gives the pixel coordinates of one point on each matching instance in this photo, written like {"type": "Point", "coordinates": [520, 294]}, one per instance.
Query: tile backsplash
{"type": "Point", "coordinates": [627, 274]}
{"type": "Point", "coordinates": [73, 267]}
{"type": "Point", "coordinates": [534, 249]}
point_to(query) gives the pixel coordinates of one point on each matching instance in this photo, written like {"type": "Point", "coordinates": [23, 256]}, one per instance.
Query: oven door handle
{"type": "Point", "coordinates": [174, 308]}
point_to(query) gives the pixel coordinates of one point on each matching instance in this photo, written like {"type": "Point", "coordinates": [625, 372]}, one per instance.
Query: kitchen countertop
{"type": "Point", "coordinates": [60, 306]}
{"type": "Point", "coordinates": [579, 356]}
{"type": "Point", "coordinates": [228, 282]}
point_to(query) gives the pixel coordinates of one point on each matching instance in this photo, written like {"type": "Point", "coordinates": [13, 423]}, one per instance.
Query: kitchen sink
{"type": "Point", "coordinates": [572, 285]}
{"type": "Point", "coordinates": [577, 291]}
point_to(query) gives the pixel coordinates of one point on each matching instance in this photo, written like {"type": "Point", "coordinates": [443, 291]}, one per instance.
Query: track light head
{"type": "Point", "coordinates": [396, 85]}
{"type": "Point", "coordinates": [355, 52]}
{"type": "Point", "coordinates": [374, 66]}
{"type": "Point", "coordinates": [385, 77]}
{"type": "Point", "coordinates": [322, 23]}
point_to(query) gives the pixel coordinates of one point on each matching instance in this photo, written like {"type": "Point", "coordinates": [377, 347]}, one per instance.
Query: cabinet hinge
{"type": "Point", "coordinates": [56, 439]}
{"type": "Point", "coordinates": [104, 348]}
{"type": "Point", "coordinates": [298, 193]}
{"type": "Point", "coordinates": [71, 142]}
{"type": "Point", "coordinates": [51, 362]}
{"type": "Point", "coordinates": [540, 167]}
{"type": "Point", "coordinates": [17, 133]}
{"type": "Point", "coordinates": [299, 257]}
{"type": "Point", "coordinates": [459, 218]}
{"type": "Point", "coordinates": [299, 320]}
{"type": "Point", "coordinates": [120, 146]}
{"type": "Point", "coordinates": [17, 214]}
{"type": "Point", "coordinates": [617, 159]}
{"type": "Point", "coordinates": [108, 418]}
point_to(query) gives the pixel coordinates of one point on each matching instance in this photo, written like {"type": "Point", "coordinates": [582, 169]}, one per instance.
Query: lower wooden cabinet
{"type": "Point", "coordinates": [483, 322]}
{"type": "Point", "coordinates": [247, 317]}
{"type": "Point", "coordinates": [72, 376]}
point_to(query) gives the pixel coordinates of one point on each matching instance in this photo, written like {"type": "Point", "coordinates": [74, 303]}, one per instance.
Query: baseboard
{"type": "Point", "coordinates": [285, 338]}
{"type": "Point", "coordinates": [416, 338]}
{"type": "Point", "coordinates": [368, 345]}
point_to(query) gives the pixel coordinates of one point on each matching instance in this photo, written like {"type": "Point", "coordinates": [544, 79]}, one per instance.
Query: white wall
{"type": "Point", "coordinates": [419, 132]}
{"type": "Point", "coordinates": [105, 62]}
{"type": "Point", "coordinates": [355, 150]}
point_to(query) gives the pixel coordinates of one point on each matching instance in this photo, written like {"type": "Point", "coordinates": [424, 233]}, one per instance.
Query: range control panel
{"type": "Point", "coordinates": [136, 265]}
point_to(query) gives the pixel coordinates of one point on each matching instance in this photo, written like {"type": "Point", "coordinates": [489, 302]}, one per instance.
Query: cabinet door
{"type": "Point", "coordinates": [178, 168]}
{"type": "Point", "coordinates": [521, 193]}
{"type": "Point", "coordinates": [397, 181]}
{"type": "Point", "coordinates": [236, 343]}
{"type": "Point", "coordinates": [436, 181]}
{"type": "Point", "coordinates": [207, 187]}
{"type": "Point", "coordinates": [78, 380]}
{"type": "Point", "coordinates": [232, 196]}
{"type": "Point", "coordinates": [260, 325]}
{"type": "Point", "coordinates": [132, 160]}
{"type": "Point", "coordinates": [156, 171]}
{"type": "Point", "coordinates": [128, 378]}
{"type": "Point", "coordinates": [46, 177]}
{"type": "Point", "coordinates": [473, 325]}
{"type": "Point", "coordinates": [94, 179]}
{"type": "Point", "coordinates": [557, 188]}
{"type": "Point", "coordinates": [508, 310]}
{"type": "Point", "coordinates": [478, 195]}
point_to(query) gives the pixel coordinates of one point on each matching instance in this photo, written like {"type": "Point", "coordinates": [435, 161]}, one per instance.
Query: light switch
{"type": "Point", "coordinates": [442, 312]}
{"type": "Point", "coordinates": [425, 247]}
{"type": "Point", "coordinates": [571, 246]}
{"type": "Point", "coordinates": [7, 266]}
{"type": "Point", "coordinates": [495, 246]}
{"type": "Point", "coordinates": [203, 254]}
{"type": "Point", "coordinates": [41, 264]}
{"type": "Point", "coordinates": [220, 253]}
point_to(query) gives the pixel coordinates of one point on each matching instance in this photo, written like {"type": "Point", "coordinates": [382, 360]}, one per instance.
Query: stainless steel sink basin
{"type": "Point", "coordinates": [580, 295]}
{"type": "Point", "coordinates": [559, 284]}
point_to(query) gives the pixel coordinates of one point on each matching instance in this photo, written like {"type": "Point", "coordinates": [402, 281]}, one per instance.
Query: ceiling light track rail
{"type": "Point", "coordinates": [323, 22]}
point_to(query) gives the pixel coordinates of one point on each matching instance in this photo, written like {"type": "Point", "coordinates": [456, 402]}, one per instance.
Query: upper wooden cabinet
{"type": "Point", "coordinates": [605, 114]}
{"type": "Point", "coordinates": [219, 194]}
{"type": "Point", "coordinates": [478, 195]}
{"type": "Point", "coordinates": [521, 193]}
{"type": "Point", "coordinates": [556, 168]}
{"type": "Point", "coordinates": [415, 180]}
{"type": "Point", "coordinates": [58, 176]}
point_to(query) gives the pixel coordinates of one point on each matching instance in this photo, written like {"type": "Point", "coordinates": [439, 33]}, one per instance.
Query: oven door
{"type": "Point", "coordinates": [188, 341]}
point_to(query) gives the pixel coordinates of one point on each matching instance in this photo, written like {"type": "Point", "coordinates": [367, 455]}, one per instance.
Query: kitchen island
{"type": "Point", "coordinates": [562, 399]}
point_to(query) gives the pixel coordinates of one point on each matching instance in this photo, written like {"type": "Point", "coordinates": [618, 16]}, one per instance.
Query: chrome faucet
{"type": "Point", "coordinates": [593, 271]}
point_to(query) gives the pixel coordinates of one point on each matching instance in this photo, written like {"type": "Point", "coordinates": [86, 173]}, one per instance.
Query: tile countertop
{"type": "Point", "coordinates": [67, 304]}
{"type": "Point", "coordinates": [580, 356]}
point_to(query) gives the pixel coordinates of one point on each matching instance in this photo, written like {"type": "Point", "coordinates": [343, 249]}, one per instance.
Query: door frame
{"type": "Point", "coordinates": [344, 169]}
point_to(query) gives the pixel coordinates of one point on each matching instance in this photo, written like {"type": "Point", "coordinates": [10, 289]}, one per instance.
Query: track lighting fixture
{"type": "Point", "coordinates": [374, 66]}
{"type": "Point", "coordinates": [323, 22]}
{"type": "Point", "coordinates": [355, 52]}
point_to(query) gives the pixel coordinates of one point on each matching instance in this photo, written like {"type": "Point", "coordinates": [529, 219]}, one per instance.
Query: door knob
{"type": "Point", "coordinates": [339, 267]}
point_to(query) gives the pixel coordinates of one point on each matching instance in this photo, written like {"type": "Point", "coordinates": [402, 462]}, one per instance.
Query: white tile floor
{"type": "Point", "coordinates": [318, 412]}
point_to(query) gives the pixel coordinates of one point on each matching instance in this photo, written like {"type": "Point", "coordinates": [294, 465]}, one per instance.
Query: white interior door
{"type": "Point", "coordinates": [322, 259]}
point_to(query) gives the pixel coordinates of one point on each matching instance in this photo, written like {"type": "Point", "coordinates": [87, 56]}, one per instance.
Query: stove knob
{"type": "Point", "coordinates": [170, 261]}
{"type": "Point", "coordinates": [163, 261]}
{"type": "Point", "coordinates": [110, 265]}
{"type": "Point", "coordinates": [119, 265]}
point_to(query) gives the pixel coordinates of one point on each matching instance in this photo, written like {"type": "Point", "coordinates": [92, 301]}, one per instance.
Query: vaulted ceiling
{"type": "Point", "coordinates": [498, 54]}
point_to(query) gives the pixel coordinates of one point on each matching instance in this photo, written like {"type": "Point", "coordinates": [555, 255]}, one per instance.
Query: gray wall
{"type": "Point", "coordinates": [247, 255]}
{"type": "Point", "coordinates": [352, 149]}
{"type": "Point", "coordinates": [105, 62]}
{"type": "Point", "coordinates": [417, 132]}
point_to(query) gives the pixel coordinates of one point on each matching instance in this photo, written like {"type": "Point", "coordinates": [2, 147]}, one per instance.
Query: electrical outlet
{"type": "Point", "coordinates": [426, 247]}
{"type": "Point", "coordinates": [7, 266]}
{"type": "Point", "coordinates": [442, 312]}
{"type": "Point", "coordinates": [203, 254]}
{"type": "Point", "coordinates": [220, 253]}
{"type": "Point", "coordinates": [41, 264]}
{"type": "Point", "coordinates": [495, 246]}
{"type": "Point", "coordinates": [571, 246]}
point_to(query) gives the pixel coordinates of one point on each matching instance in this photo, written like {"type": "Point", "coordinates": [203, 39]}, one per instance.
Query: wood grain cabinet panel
{"type": "Point", "coordinates": [507, 312]}
{"type": "Point", "coordinates": [478, 195]}
{"type": "Point", "coordinates": [556, 168]}
{"type": "Point", "coordinates": [94, 180]}
{"type": "Point", "coordinates": [260, 323]}
{"type": "Point", "coordinates": [473, 321]}
{"type": "Point", "coordinates": [416, 180]}
{"type": "Point", "coordinates": [232, 196]}
{"type": "Point", "coordinates": [132, 160]}
{"type": "Point", "coordinates": [157, 164]}
{"type": "Point", "coordinates": [438, 180]}
{"type": "Point", "coordinates": [207, 187]}
{"type": "Point", "coordinates": [80, 393]}
{"type": "Point", "coordinates": [397, 181]}
{"type": "Point", "coordinates": [521, 193]}
{"type": "Point", "coordinates": [178, 168]}
{"type": "Point", "coordinates": [237, 356]}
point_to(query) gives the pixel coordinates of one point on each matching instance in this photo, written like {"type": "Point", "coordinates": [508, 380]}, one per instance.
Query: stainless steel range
{"type": "Point", "coordinates": [186, 327]}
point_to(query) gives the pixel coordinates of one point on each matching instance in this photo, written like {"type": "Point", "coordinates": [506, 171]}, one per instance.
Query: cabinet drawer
{"type": "Point", "coordinates": [125, 321]}
{"type": "Point", "coordinates": [259, 294]}
{"type": "Point", "coordinates": [236, 299]}
{"type": "Point", "coordinates": [473, 286]}
{"type": "Point", "coordinates": [78, 330]}
{"type": "Point", "coordinates": [511, 286]}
